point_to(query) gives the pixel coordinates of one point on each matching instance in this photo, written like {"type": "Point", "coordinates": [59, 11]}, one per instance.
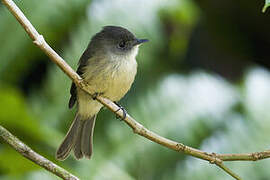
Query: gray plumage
{"type": "Point", "coordinates": [109, 66]}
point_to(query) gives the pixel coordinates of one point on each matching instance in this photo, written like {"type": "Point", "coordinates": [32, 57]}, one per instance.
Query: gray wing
{"type": "Point", "coordinates": [82, 63]}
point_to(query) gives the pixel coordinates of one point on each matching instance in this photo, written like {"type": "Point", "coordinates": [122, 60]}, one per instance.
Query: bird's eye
{"type": "Point", "coordinates": [122, 44]}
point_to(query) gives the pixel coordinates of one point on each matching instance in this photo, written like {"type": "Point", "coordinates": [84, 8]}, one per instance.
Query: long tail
{"type": "Point", "coordinates": [79, 138]}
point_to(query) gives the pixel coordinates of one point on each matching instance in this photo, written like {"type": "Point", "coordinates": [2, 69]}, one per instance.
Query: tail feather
{"type": "Point", "coordinates": [79, 138]}
{"type": "Point", "coordinates": [77, 150]}
{"type": "Point", "coordinates": [69, 140]}
{"type": "Point", "coordinates": [87, 137]}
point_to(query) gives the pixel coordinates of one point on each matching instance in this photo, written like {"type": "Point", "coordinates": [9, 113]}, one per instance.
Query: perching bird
{"type": "Point", "coordinates": [109, 67]}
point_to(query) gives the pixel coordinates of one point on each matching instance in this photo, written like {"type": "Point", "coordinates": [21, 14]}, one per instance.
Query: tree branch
{"type": "Point", "coordinates": [137, 127]}
{"type": "Point", "coordinates": [33, 156]}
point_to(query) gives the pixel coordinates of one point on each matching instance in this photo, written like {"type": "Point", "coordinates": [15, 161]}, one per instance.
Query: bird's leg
{"type": "Point", "coordinates": [96, 94]}
{"type": "Point", "coordinates": [123, 110]}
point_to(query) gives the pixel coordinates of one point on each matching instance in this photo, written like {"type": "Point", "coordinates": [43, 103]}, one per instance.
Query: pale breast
{"type": "Point", "coordinates": [121, 79]}
{"type": "Point", "coordinates": [113, 77]}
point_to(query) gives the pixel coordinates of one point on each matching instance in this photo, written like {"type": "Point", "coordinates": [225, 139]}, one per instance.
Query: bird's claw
{"type": "Point", "coordinates": [123, 110]}
{"type": "Point", "coordinates": [95, 95]}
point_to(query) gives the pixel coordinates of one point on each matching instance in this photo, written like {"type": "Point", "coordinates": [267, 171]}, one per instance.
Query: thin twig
{"type": "Point", "coordinates": [245, 156]}
{"type": "Point", "coordinates": [137, 127]}
{"type": "Point", "coordinates": [33, 156]}
{"type": "Point", "coordinates": [226, 169]}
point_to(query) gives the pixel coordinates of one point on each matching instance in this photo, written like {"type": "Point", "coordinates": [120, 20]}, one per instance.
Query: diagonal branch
{"type": "Point", "coordinates": [33, 156]}
{"type": "Point", "coordinates": [137, 127]}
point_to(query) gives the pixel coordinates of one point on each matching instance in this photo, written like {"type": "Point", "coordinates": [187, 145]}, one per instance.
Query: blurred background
{"type": "Point", "coordinates": [203, 80]}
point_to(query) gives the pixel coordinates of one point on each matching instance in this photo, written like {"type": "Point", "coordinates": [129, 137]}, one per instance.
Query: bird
{"type": "Point", "coordinates": [109, 66]}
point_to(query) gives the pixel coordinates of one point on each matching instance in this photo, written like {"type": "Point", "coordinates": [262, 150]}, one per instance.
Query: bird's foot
{"type": "Point", "coordinates": [123, 110]}
{"type": "Point", "coordinates": [96, 94]}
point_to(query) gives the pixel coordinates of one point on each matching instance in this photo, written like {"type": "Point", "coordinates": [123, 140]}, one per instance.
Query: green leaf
{"type": "Point", "coordinates": [17, 117]}
{"type": "Point", "coordinates": [266, 5]}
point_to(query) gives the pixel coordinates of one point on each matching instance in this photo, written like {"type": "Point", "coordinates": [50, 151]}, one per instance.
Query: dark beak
{"type": "Point", "coordinates": [139, 41]}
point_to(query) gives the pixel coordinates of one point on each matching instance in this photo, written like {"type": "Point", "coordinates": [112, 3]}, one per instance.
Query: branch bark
{"type": "Point", "coordinates": [139, 129]}
{"type": "Point", "coordinates": [33, 156]}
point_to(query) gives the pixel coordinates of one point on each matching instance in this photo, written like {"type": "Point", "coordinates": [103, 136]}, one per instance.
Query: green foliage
{"type": "Point", "coordinates": [15, 114]}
